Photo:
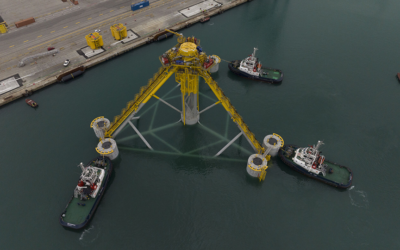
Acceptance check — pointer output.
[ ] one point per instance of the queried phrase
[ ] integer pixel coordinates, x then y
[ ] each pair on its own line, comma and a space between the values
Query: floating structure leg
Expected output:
230, 143
108, 147
192, 115
257, 166
140, 135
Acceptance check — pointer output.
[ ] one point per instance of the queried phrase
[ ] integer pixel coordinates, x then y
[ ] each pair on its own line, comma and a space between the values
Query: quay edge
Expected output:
7, 98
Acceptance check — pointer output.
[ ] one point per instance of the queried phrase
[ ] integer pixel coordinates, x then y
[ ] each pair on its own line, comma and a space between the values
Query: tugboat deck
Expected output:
77, 214
340, 174
271, 74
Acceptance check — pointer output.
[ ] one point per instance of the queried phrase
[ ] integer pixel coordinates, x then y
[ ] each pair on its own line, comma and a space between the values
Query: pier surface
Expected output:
63, 25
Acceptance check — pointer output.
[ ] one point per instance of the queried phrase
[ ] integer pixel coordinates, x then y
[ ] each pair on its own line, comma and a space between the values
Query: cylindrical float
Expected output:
100, 125
108, 147
215, 66
273, 143
256, 164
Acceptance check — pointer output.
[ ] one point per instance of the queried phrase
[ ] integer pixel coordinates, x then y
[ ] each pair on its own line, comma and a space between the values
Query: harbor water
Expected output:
339, 59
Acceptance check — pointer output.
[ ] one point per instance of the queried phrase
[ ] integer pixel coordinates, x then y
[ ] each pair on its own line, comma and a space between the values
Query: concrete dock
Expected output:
64, 26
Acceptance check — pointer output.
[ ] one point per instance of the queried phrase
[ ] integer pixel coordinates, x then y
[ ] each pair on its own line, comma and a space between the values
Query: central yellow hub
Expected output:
188, 49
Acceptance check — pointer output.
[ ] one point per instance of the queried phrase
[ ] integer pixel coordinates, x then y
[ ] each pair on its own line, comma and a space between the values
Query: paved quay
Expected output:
64, 27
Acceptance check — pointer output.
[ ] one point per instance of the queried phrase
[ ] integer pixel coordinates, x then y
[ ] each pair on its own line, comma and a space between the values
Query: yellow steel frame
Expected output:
187, 75
189, 80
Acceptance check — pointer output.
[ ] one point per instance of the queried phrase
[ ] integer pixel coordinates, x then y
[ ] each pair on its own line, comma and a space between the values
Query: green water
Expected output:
339, 58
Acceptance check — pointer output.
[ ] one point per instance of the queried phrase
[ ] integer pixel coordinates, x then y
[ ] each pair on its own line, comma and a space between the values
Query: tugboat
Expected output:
31, 103
310, 162
88, 193
251, 68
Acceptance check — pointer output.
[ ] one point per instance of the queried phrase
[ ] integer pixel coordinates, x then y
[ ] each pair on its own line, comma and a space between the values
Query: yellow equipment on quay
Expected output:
3, 27
188, 62
94, 40
118, 31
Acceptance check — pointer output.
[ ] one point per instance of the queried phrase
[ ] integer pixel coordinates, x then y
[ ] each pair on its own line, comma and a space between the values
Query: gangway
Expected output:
188, 62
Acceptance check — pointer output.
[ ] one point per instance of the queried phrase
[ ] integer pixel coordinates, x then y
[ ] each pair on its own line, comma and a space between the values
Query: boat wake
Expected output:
358, 198
211, 24
88, 236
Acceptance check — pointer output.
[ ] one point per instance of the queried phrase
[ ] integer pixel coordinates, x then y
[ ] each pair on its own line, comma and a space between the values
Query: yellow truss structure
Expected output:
188, 64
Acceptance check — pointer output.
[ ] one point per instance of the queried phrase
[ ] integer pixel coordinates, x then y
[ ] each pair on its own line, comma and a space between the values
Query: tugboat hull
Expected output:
276, 74
342, 176
31, 103
76, 215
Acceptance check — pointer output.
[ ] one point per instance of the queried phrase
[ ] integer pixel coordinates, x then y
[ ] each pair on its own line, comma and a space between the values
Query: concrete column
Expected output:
192, 115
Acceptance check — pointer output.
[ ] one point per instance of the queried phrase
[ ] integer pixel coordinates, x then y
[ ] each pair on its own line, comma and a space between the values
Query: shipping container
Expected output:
138, 6
24, 22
